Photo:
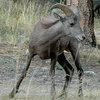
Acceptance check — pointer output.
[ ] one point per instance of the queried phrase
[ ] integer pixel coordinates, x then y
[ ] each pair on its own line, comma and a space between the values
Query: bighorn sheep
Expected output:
50, 37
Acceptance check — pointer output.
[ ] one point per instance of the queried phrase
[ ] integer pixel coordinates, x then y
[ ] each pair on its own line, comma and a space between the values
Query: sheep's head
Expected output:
70, 21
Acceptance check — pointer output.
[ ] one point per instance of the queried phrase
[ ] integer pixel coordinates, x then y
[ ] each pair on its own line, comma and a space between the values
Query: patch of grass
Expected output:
88, 95
97, 23
59, 67
17, 20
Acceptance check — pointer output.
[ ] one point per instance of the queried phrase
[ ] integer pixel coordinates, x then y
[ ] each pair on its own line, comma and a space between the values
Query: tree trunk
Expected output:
86, 12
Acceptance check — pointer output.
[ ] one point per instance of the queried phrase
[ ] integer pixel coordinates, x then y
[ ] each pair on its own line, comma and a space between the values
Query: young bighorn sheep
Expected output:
50, 37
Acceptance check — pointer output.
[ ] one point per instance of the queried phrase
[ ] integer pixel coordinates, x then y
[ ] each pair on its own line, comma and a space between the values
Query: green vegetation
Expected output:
59, 67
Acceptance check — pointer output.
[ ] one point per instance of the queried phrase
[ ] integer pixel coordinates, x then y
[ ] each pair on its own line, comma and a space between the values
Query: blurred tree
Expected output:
86, 12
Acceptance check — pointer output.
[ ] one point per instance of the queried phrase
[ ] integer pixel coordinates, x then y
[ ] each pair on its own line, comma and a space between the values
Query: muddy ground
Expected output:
37, 82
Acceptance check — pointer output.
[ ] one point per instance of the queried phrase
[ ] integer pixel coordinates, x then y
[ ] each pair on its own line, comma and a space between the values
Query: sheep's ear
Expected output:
58, 16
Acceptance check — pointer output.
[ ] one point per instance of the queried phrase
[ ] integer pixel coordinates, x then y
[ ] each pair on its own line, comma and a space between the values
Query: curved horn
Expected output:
64, 8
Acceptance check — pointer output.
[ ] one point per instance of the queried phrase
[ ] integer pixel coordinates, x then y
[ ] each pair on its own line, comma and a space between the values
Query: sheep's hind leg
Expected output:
23, 75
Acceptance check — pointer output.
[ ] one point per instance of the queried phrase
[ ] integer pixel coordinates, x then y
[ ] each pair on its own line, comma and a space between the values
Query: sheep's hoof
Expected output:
62, 95
80, 95
12, 94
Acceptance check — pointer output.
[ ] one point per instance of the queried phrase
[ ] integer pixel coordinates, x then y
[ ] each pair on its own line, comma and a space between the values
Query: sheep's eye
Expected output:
71, 24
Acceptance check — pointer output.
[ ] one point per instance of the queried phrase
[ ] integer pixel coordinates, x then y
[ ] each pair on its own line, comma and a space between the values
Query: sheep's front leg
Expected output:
69, 72
73, 47
52, 74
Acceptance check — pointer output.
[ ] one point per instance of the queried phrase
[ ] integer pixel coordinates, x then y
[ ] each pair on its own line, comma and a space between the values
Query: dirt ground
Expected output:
36, 86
